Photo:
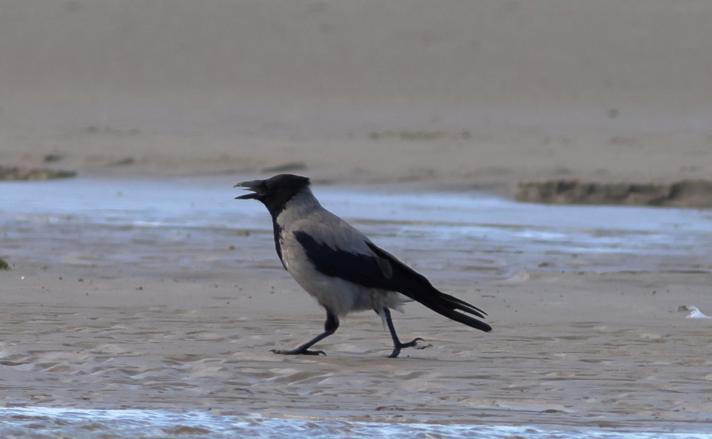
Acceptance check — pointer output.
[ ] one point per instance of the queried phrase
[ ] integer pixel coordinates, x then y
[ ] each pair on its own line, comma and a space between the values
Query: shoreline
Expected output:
158, 423
696, 194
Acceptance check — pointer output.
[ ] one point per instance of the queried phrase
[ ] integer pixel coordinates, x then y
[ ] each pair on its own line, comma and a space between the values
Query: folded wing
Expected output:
374, 267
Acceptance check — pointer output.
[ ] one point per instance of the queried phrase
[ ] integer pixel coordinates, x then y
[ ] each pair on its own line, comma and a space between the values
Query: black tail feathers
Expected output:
450, 307
410, 283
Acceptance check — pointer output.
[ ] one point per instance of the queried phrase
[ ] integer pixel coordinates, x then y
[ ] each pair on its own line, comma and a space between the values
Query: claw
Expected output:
410, 344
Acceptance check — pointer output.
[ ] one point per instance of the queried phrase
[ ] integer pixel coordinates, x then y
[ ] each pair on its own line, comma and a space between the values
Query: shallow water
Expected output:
49, 422
204, 209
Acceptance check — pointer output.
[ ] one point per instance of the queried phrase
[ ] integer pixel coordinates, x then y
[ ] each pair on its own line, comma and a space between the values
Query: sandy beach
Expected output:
141, 284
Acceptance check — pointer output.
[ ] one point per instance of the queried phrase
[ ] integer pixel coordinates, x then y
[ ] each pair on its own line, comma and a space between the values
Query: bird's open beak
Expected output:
254, 185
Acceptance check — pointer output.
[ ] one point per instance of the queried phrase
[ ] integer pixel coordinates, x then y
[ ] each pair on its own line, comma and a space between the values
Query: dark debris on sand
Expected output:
684, 193
14, 173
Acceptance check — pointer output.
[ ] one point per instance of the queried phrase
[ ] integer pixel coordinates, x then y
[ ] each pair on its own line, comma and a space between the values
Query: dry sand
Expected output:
487, 92
461, 94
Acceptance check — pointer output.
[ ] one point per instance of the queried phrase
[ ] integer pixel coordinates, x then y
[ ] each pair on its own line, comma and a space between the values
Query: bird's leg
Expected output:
332, 323
397, 345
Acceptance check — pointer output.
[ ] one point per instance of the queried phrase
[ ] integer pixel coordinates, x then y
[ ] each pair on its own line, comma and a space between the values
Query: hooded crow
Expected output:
340, 267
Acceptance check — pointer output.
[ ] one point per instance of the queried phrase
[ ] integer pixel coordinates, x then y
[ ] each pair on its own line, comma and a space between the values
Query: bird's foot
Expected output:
297, 352
411, 344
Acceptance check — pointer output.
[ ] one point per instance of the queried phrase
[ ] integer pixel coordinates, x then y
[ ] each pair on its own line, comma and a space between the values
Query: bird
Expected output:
340, 267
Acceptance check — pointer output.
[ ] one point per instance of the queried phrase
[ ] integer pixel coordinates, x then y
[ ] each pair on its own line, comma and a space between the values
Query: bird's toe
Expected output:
314, 353
297, 352
412, 343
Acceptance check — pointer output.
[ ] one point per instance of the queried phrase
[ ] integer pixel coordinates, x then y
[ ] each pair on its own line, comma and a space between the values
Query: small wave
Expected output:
46, 422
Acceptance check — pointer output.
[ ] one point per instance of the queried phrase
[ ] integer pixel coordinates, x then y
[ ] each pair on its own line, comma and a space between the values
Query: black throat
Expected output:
275, 193
277, 246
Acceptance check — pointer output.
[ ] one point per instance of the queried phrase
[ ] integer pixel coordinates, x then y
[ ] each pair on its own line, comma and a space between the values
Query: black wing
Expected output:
384, 271
362, 269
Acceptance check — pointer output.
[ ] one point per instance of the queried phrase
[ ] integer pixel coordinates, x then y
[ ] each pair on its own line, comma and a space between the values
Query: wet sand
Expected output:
176, 306
686, 193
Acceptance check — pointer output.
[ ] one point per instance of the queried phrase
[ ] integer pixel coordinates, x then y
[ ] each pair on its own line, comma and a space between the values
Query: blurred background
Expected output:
494, 91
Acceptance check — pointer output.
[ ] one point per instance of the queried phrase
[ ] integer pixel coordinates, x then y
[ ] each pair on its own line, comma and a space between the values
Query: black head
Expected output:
274, 192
